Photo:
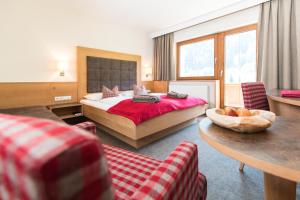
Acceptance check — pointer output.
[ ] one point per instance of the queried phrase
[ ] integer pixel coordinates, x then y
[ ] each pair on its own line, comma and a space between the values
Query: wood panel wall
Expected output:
14, 95
148, 85
161, 86
157, 86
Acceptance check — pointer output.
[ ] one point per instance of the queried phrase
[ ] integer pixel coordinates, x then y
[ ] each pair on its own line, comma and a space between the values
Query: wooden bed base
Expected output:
146, 132
146, 140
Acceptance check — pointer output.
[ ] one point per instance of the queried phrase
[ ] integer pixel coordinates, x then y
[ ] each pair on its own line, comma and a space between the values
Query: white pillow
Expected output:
94, 96
128, 93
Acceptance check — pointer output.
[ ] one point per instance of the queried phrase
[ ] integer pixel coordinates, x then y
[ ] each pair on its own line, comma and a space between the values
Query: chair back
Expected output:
45, 160
255, 96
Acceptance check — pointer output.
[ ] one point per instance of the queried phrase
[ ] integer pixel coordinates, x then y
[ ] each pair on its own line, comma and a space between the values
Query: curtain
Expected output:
163, 48
278, 59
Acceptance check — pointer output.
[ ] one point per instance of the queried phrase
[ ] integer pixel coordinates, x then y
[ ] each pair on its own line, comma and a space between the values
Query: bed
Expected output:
97, 68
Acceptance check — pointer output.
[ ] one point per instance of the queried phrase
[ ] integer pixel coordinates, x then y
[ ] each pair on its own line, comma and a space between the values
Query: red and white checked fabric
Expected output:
45, 160
129, 170
88, 126
255, 96
139, 177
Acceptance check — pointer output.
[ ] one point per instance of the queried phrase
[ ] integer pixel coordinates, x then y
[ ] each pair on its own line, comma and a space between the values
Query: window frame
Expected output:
237, 30
195, 40
219, 49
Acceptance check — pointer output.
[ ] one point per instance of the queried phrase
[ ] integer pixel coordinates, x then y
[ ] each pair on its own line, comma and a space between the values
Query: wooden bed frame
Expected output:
121, 127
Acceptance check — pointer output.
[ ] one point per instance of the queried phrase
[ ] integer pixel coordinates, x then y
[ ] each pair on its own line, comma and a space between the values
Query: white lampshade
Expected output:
62, 66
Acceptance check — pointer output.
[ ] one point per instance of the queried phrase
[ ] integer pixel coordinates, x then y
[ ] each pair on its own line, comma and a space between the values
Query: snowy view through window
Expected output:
197, 59
240, 58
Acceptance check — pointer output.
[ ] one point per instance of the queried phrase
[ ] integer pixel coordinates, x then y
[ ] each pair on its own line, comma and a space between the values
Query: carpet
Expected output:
225, 181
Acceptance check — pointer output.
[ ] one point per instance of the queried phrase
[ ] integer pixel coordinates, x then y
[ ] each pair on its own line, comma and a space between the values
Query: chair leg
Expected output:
242, 165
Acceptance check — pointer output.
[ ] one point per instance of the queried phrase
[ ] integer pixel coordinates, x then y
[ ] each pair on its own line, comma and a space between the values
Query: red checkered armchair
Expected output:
46, 160
255, 96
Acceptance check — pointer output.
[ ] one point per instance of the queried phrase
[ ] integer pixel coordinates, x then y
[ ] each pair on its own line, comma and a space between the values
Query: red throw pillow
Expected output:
106, 92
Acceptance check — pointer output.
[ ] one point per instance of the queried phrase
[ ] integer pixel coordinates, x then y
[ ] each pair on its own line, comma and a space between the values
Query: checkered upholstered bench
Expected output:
42, 159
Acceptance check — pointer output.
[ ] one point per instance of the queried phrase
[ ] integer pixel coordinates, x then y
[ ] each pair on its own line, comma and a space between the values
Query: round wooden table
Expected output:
275, 151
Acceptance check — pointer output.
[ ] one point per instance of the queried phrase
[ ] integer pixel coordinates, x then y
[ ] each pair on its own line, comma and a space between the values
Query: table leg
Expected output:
242, 165
277, 188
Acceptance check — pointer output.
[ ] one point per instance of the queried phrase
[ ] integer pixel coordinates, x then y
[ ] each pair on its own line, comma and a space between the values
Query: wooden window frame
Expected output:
219, 45
222, 54
191, 41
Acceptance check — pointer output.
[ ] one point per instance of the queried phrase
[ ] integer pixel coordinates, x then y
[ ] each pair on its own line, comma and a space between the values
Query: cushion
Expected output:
128, 93
42, 159
139, 90
106, 92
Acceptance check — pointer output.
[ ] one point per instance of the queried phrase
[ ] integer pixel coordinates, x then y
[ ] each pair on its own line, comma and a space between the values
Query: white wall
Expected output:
36, 35
235, 20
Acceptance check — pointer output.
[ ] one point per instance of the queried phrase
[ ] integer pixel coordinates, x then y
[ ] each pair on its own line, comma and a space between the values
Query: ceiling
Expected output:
151, 15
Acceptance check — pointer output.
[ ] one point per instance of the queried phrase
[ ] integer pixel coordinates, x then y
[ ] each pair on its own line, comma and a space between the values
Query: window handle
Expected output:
221, 73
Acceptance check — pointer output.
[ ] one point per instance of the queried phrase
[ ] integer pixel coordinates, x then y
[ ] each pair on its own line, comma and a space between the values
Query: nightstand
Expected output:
71, 113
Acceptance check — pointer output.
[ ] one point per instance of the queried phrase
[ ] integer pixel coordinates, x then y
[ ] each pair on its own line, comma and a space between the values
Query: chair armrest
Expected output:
175, 178
88, 126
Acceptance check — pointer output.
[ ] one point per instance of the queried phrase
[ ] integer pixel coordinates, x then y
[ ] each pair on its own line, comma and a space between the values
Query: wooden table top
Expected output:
275, 96
276, 150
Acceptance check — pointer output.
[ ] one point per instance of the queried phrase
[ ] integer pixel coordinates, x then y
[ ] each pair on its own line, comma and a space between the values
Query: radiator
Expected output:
204, 90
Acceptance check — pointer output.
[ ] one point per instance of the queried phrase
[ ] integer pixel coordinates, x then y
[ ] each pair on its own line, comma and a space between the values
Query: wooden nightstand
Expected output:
71, 113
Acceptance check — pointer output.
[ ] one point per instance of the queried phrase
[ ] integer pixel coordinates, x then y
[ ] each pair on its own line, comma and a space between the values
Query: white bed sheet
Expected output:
104, 104
107, 103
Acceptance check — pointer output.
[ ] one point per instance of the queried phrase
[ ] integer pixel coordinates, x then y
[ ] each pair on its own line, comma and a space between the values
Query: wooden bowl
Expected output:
259, 121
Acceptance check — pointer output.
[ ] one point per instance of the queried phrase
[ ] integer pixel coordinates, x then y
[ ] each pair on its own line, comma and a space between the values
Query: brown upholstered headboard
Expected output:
110, 72
128, 74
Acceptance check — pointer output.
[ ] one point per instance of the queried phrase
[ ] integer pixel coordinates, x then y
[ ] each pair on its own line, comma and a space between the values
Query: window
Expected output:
228, 56
239, 63
196, 58
240, 57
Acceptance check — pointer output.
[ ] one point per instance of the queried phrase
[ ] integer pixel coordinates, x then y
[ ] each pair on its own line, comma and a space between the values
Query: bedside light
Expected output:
62, 66
148, 71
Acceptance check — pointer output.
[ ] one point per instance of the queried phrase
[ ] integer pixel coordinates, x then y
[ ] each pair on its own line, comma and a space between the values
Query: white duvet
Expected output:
107, 103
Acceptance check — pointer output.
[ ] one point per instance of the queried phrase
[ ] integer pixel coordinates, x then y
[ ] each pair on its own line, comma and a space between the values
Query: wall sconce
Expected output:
148, 71
62, 66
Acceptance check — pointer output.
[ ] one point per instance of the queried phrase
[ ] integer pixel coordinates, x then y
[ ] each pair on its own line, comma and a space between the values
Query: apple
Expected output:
230, 112
243, 112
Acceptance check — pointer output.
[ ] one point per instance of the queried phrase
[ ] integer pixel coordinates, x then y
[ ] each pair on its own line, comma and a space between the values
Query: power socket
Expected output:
62, 98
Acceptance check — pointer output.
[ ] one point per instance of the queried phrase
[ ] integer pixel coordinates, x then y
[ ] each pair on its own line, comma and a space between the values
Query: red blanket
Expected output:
290, 93
140, 112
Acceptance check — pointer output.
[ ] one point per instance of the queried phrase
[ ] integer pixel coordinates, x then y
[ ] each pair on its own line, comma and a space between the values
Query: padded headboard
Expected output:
96, 67
110, 72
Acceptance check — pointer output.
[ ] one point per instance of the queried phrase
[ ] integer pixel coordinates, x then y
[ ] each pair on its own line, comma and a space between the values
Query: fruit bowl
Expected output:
258, 120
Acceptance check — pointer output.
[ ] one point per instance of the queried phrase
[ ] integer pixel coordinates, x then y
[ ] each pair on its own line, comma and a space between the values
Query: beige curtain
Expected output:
163, 48
278, 59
